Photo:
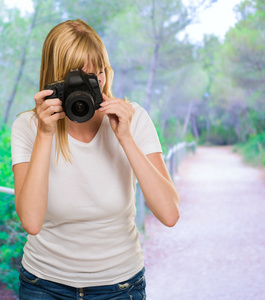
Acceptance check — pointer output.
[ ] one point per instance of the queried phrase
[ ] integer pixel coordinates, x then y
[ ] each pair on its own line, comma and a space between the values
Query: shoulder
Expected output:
141, 120
25, 118
26, 122
144, 131
138, 108
140, 113
24, 130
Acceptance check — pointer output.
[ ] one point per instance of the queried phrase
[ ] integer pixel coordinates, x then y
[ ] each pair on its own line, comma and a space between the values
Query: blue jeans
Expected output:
34, 288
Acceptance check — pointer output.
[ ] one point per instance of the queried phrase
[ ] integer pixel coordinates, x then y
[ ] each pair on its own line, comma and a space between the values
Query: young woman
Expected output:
75, 182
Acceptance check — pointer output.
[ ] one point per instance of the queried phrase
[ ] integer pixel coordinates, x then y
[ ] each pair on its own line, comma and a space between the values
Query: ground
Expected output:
216, 250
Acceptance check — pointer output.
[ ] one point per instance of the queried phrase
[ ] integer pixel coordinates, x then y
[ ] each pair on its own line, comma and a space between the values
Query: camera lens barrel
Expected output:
79, 106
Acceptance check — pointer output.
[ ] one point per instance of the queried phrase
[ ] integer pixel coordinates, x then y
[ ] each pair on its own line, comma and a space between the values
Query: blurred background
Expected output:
202, 83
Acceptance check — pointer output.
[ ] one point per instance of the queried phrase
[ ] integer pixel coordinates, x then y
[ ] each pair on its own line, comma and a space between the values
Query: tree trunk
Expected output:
151, 79
187, 119
208, 125
194, 127
22, 64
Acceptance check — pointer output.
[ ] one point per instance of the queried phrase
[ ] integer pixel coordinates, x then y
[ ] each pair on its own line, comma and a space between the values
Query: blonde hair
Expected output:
67, 47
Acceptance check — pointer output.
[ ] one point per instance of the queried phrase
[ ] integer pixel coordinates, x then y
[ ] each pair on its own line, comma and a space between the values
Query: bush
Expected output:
253, 150
168, 137
219, 135
12, 236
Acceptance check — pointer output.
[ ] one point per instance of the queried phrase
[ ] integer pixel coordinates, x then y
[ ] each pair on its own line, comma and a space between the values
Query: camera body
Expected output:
80, 94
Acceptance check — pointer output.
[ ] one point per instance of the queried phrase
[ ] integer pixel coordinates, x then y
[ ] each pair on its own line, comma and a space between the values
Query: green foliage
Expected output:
258, 119
6, 178
95, 13
12, 236
219, 135
254, 149
189, 137
160, 135
168, 135
244, 49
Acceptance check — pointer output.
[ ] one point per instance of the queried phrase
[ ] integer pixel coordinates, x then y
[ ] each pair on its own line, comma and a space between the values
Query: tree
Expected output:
164, 20
244, 62
96, 13
22, 62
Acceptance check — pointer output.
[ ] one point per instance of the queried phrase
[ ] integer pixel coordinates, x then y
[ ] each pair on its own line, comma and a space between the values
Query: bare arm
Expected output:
151, 172
31, 186
31, 179
158, 189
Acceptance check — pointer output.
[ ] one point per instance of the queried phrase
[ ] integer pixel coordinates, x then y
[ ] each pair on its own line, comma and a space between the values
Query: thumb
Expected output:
105, 97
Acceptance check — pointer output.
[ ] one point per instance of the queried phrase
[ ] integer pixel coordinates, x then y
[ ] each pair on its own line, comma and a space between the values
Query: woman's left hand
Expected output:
120, 115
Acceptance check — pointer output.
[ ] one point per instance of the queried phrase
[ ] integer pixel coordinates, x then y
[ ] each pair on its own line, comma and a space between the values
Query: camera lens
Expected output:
80, 108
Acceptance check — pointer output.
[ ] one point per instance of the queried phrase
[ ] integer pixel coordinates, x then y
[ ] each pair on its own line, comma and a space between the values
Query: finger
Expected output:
120, 112
51, 111
51, 102
117, 105
114, 104
108, 100
105, 97
58, 116
49, 119
118, 102
39, 97
48, 103
54, 109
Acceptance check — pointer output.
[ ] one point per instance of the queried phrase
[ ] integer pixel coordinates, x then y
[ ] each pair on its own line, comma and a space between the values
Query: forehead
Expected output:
89, 67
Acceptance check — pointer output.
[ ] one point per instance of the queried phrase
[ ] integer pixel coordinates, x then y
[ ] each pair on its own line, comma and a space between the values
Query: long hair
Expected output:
67, 47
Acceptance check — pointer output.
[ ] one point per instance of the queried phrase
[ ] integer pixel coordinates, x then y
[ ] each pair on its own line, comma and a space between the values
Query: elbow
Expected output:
172, 220
173, 214
32, 230
31, 224
30, 227
170, 215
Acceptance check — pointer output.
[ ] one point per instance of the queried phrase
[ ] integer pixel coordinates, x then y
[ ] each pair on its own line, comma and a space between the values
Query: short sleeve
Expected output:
144, 131
23, 136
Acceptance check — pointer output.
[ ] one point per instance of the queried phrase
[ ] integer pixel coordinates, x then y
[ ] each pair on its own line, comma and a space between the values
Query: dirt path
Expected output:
217, 249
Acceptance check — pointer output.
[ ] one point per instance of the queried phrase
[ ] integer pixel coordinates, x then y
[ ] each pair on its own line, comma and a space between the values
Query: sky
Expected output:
23, 5
215, 20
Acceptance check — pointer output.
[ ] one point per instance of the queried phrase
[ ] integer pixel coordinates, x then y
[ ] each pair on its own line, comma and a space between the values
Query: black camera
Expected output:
80, 94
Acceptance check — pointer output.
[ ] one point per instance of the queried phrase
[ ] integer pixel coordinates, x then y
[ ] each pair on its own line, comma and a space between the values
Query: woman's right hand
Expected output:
48, 111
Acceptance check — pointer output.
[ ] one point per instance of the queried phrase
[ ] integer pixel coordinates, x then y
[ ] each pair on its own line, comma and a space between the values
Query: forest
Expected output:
211, 92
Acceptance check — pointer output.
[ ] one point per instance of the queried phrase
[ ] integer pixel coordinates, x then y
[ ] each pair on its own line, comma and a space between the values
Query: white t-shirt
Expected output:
89, 236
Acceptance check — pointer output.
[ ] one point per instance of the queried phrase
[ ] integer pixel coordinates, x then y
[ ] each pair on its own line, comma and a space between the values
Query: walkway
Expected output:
217, 249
